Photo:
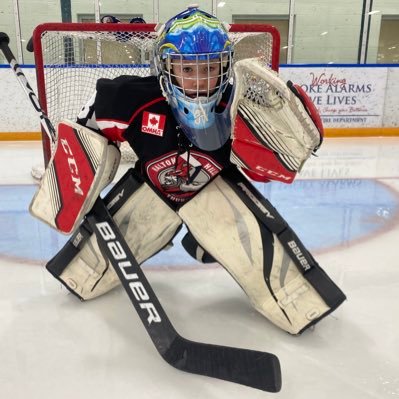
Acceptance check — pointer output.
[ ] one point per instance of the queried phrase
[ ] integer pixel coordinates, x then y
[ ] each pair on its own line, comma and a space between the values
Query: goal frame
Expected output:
123, 27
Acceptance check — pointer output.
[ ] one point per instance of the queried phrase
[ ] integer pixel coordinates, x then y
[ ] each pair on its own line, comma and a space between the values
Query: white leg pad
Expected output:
147, 224
224, 226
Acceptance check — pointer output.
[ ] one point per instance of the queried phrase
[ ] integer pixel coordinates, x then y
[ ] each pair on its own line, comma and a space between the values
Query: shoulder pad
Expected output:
119, 98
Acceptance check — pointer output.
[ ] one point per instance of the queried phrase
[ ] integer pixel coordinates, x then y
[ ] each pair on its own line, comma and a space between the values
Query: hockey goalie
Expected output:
202, 129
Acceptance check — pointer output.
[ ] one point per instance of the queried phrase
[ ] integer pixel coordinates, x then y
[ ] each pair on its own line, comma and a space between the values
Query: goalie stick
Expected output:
243, 366
44, 120
252, 368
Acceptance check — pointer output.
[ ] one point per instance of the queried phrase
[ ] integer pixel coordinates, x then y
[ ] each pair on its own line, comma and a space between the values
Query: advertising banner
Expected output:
345, 97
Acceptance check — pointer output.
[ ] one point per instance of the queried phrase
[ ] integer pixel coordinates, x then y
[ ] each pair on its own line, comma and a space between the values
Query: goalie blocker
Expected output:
261, 252
83, 163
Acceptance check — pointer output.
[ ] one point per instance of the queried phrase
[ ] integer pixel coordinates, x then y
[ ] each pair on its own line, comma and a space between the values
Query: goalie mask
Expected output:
193, 57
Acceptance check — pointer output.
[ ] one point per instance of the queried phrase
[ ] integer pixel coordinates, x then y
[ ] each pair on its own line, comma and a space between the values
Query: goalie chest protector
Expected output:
132, 108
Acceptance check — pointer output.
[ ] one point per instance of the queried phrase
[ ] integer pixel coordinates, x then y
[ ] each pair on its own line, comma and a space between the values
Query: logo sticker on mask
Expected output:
153, 123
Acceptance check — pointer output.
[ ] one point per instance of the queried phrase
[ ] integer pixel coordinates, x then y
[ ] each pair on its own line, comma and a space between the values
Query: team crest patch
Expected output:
153, 123
180, 176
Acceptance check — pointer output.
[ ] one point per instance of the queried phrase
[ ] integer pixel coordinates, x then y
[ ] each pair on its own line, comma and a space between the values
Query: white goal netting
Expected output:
70, 58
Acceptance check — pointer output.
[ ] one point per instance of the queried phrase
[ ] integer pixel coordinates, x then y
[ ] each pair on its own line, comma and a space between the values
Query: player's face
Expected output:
196, 78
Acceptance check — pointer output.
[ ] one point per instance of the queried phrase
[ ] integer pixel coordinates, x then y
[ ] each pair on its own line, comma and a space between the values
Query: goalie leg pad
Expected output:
192, 247
147, 223
223, 225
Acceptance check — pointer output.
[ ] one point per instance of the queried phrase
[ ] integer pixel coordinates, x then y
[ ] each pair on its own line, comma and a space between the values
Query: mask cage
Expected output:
202, 76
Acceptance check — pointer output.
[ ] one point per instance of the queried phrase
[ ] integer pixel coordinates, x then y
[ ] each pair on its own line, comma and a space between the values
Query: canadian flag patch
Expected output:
153, 123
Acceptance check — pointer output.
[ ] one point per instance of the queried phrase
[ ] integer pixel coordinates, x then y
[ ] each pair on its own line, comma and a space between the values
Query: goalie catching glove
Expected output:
276, 127
82, 164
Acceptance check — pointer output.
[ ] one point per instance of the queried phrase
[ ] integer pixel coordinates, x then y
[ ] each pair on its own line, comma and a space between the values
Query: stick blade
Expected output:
255, 369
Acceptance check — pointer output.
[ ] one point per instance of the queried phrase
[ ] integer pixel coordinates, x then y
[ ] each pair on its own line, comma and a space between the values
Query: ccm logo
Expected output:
135, 285
73, 167
274, 174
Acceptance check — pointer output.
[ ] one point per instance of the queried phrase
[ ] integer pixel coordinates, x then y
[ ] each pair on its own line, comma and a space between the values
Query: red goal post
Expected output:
71, 57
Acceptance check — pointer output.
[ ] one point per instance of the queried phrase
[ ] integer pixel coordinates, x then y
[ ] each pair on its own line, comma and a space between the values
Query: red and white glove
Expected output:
82, 164
276, 127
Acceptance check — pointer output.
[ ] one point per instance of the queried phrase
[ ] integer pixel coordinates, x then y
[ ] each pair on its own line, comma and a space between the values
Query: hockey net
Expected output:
70, 58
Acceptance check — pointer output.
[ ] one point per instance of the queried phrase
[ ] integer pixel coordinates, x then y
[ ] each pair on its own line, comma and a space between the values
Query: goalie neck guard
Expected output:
193, 57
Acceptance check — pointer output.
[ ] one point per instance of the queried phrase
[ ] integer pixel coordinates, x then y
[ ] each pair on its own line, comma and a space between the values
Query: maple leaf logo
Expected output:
154, 120
153, 123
